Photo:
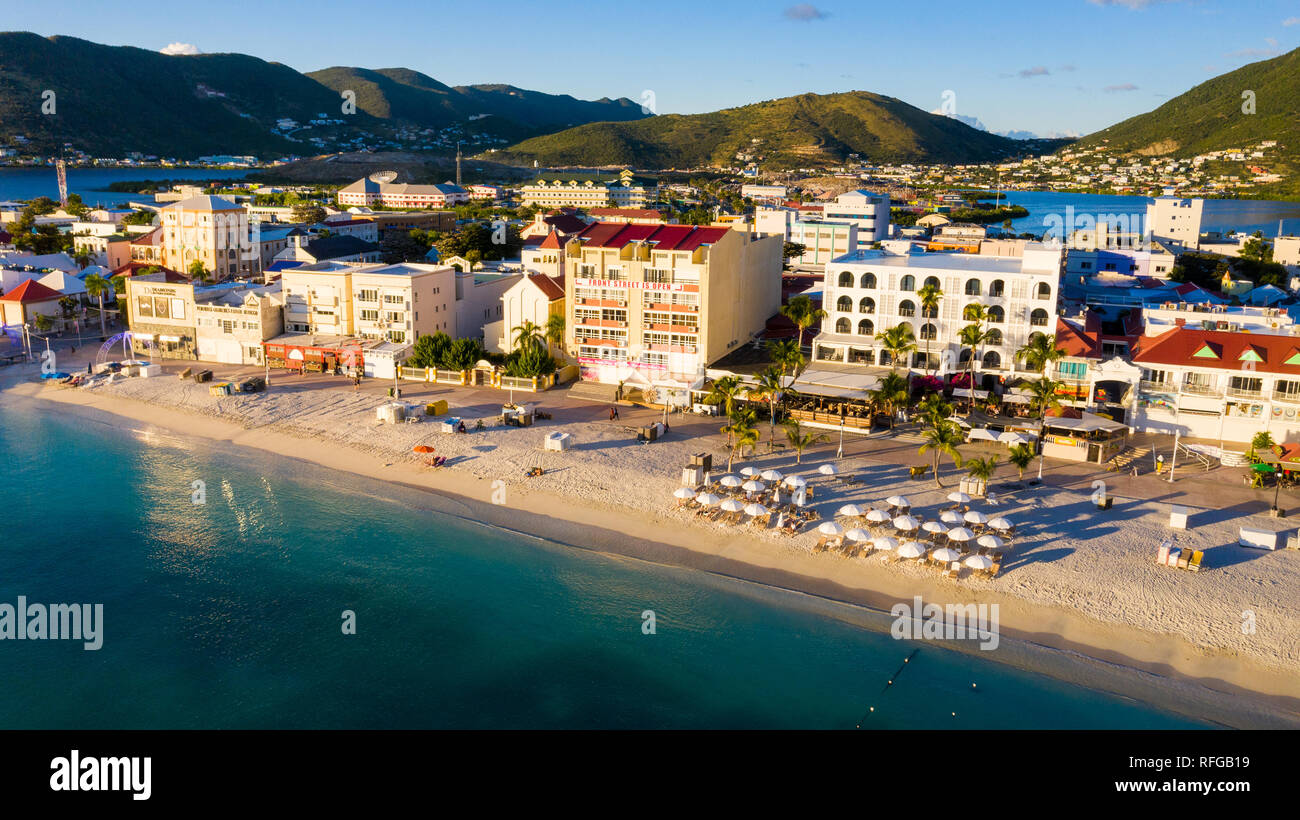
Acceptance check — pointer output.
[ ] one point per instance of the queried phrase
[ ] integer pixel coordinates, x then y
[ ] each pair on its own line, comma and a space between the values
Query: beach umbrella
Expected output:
849, 511
976, 517
732, 505
990, 541
827, 469
979, 562
857, 534
905, 522
950, 517
958, 497
729, 481
830, 528
897, 501
771, 475
946, 554
911, 550
422, 448
878, 516
960, 534
753, 486
795, 481
707, 499
1000, 523
884, 543
749, 472
933, 526
755, 509
683, 493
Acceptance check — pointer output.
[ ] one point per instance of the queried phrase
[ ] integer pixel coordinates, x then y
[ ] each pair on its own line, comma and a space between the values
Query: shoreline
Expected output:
1162, 670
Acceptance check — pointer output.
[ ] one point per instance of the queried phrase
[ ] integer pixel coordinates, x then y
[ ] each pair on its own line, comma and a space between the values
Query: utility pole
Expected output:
1173, 458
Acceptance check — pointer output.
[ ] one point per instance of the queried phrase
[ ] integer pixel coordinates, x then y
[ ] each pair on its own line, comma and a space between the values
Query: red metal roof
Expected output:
1077, 341
31, 291
664, 237
552, 241
1178, 346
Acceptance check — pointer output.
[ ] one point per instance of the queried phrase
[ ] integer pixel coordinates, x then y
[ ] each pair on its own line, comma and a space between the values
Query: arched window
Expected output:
996, 288
867, 305
964, 356
992, 359
866, 328
931, 281
844, 304
885, 359
996, 315
1044, 290
906, 328
868, 281
929, 312
907, 308
908, 283
994, 337
929, 331
1038, 318
846, 279
841, 325
972, 287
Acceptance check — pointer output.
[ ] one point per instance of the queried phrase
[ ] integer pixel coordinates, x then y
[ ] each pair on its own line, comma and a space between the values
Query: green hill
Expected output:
809, 129
1209, 117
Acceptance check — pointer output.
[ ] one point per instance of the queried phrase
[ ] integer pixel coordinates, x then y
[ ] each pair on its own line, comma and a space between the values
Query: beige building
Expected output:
318, 299
585, 191
231, 325
534, 298
210, 230
161, 317
400, 303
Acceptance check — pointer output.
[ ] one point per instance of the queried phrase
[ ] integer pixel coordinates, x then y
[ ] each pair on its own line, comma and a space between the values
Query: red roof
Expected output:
1076, 341
1178, 346
626, 213
550, 288
552, 241
31, 291
663, 237
564, 222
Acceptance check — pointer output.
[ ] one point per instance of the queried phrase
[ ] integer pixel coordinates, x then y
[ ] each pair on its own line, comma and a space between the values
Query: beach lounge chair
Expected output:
995, 569
1195, 563
954, 570
1183, 558
820, 546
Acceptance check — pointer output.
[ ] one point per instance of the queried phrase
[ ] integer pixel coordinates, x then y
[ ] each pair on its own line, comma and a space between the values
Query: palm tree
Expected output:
972, 336
889, 394
97, 286
800, 440
803, 312
555, 330
1261, 441
82, 258
1039, 352
982, 468
898, 341
1021, 456
771, 387
929, 297
934, 410
528, 334
740, 433
1042, 397
943, 440
725, 390
785, 354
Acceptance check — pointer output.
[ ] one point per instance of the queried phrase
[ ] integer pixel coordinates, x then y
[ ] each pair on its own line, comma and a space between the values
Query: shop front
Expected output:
341, 357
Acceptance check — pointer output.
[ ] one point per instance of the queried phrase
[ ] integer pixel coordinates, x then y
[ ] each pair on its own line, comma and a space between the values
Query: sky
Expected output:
1057, 67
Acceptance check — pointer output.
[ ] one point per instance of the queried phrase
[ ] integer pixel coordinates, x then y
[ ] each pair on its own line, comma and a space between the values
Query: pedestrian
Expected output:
611, 414
615, 414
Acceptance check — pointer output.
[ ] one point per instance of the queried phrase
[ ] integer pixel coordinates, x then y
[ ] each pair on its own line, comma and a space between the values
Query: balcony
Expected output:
1157, 387
1289, 398
1203, 390
1244, 393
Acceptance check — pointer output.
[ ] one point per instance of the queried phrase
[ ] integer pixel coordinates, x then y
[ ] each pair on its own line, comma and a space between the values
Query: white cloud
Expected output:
1111, 89
1036, 71
973, 122
178, 49
805, 13
1291, 21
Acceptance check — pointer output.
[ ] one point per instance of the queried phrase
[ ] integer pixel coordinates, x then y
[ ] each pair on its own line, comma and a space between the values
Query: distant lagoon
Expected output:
92, 183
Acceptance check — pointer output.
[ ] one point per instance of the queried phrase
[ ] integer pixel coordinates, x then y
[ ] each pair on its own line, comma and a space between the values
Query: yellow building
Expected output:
213, 231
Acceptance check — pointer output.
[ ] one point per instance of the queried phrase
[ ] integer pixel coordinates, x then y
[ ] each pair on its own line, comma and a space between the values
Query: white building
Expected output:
822, 241
1176, 220
400, 303
533, 298
868, 211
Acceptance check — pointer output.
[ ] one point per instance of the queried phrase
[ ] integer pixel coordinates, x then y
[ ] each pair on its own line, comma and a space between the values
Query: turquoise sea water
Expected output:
228, 614
91, 183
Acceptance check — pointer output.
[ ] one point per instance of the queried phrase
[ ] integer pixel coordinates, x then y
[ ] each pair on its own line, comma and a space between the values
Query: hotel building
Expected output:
582, 191
822, 241
210, 230
867, 210
366, 192
399, 303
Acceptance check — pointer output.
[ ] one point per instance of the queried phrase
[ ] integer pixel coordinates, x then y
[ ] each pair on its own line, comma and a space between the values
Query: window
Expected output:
1072, 370
868, 281
867, 305
846, 280
929, 332
907, 283
1038, 318
841, 325
994, 337
931, 282
972, 287
996, 288
996, 315
992, 359
907, 308
370, 316
1044, 290
866, 328
844, 304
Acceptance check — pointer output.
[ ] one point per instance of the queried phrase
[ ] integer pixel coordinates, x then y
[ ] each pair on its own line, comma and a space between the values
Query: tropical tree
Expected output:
898, 341
197, 271
1262, 442
463, 354
43, 323
803, 312
429, 350
82, 258
934, 410
740, 432
97, 286
785, 354
889, 395
799, 440
725, 390
555, 330
972, 336
528, 334
771, 387
942, 440
1021, 456
1038, 352
929, 296
982, 468
1042, 397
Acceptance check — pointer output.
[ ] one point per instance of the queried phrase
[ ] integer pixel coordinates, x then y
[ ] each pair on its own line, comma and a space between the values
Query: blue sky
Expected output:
1054, 66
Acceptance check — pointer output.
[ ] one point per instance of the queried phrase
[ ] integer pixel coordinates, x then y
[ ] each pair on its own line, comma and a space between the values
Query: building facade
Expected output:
400, 303
867, 210
210, 230
578, 191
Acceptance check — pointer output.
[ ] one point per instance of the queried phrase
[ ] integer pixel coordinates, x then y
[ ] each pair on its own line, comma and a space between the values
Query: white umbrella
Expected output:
976, 517
950, 517
830, 528
827, 469
905, 522
849, 511
771, 475
878, 516
683, 493
732, 505
707, 499
979, 562
911, 550
990, 541
897, 501
884, 543
749, 472
1000, 523
729, 481
960, 534
752, 486
958, 497
945, 554
933, 526
857, 534
795, 481
755, 509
